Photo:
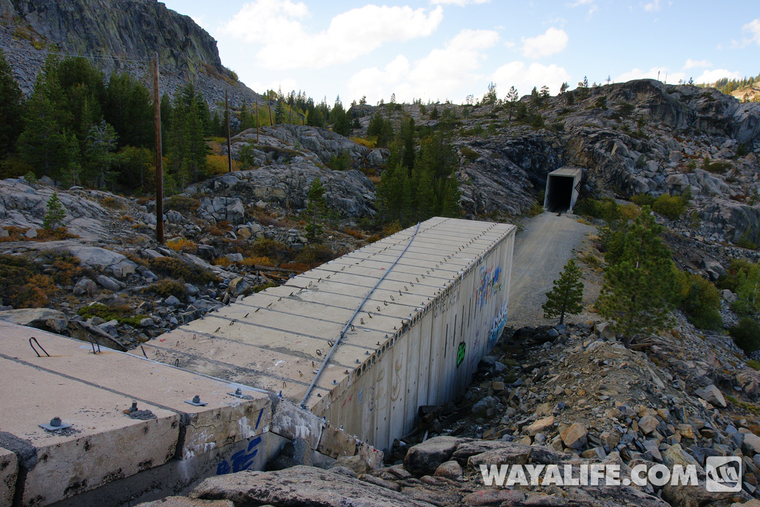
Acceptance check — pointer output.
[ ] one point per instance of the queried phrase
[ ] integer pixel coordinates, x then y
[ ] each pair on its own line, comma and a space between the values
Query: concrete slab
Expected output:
8, 476
223, 420
103, 443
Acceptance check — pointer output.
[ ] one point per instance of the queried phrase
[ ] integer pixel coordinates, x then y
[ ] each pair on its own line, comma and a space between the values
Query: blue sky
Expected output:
449, 49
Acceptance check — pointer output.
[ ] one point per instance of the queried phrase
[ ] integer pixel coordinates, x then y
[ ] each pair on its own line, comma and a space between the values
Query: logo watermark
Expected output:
723, 474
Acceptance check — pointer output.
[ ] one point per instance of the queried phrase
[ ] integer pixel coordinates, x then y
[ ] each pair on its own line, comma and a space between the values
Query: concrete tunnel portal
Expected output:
562, 188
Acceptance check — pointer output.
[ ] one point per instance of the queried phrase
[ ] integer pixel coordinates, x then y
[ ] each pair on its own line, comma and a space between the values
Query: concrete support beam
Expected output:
103, 443
8, 475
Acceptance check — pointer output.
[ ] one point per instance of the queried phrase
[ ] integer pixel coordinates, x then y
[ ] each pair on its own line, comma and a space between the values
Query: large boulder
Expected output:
424, 458
300, 485
40, 318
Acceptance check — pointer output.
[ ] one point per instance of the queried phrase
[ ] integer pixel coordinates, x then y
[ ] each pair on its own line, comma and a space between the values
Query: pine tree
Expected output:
640, 282
566, 297
512, 98
10, 108
315, 210
55, 214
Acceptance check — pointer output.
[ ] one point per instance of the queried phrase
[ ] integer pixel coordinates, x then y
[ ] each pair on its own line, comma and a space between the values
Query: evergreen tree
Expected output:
11, 119
315, 209
100, 153
566, 297
409, 144
640, 282
129, 109
512, 98
55, 214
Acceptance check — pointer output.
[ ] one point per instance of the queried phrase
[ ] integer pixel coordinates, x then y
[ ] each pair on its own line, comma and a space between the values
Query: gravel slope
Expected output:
542, 249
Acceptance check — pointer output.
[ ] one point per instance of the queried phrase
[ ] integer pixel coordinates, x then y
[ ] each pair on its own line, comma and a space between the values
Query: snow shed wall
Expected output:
432, 358
562, 189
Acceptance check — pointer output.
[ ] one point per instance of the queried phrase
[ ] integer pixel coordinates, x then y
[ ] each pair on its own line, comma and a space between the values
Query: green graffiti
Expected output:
461, 353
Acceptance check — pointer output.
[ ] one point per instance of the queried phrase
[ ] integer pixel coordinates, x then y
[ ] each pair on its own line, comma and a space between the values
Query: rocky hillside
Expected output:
630, 138
122, 35
109, 280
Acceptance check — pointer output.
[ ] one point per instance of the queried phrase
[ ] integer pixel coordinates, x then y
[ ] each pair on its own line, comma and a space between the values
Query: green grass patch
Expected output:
122, 313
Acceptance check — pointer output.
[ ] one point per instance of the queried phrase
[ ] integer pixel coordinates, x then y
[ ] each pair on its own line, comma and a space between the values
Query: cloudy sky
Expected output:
448, 49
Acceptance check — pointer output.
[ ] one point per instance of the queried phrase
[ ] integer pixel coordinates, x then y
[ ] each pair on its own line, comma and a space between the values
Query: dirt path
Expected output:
541, 251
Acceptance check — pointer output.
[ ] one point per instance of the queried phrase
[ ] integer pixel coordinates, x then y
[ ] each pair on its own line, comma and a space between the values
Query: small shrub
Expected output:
746, 335
270, 248
591, 260
605, 208
354, 233
670, 206
222, 261
715, 167
700, 301
218, 164
182, 203
745, 242
182, 245
175, 268
755, 365
367, 143
256, 261
469, 153
122, 313
630, 211
315, 255
535, 209
166, 288
113, 203
643, 200
340, 162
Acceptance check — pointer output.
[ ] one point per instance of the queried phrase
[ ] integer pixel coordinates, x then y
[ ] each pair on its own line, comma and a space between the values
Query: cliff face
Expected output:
119, 35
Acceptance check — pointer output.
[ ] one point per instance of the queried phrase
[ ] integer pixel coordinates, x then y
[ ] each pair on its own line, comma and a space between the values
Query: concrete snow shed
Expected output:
562, 188
416, 340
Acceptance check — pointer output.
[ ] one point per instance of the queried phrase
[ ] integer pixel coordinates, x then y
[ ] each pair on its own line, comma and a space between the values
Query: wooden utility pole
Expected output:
227, 115
159, 157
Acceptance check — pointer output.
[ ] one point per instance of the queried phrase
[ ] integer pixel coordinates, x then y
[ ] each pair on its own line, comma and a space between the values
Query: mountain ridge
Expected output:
126, 40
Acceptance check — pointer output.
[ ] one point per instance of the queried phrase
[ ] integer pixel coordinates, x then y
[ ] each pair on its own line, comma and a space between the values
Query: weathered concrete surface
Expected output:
102, 444
8, 475
443, 302
224, 420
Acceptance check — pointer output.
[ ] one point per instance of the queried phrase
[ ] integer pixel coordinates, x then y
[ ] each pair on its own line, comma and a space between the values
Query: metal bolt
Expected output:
133, 408
196, 399
238, 392
55, 422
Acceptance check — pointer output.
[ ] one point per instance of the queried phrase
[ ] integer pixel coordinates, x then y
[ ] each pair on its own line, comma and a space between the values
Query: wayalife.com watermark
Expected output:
722, 474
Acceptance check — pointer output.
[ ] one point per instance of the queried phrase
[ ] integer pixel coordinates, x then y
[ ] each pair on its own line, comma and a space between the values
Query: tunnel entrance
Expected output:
562, 189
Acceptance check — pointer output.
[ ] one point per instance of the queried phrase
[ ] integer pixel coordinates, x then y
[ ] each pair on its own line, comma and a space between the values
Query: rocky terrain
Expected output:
551, 395
630, 138
124, 41
109, 281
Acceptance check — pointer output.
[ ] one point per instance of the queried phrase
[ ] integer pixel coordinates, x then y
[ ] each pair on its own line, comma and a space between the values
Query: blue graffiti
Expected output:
241, 460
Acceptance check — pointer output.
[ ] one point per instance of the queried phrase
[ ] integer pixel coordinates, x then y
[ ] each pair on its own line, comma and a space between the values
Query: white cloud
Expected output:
286, 43
437, 76
691, 64
550, 42
524, 78
593, 8
662, 72
711, 76
753, 30
461, 3
653, 6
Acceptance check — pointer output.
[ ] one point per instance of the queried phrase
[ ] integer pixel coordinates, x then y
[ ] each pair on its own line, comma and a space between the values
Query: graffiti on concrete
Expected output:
242, 460
461, 352
490, 284
497, 326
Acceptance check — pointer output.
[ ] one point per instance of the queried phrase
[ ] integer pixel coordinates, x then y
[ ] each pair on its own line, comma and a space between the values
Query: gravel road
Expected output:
542, 249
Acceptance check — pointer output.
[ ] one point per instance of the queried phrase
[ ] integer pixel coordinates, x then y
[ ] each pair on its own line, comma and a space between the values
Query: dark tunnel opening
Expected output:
559, 193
